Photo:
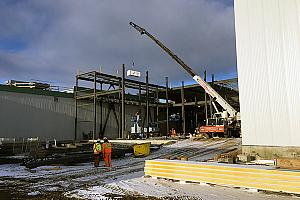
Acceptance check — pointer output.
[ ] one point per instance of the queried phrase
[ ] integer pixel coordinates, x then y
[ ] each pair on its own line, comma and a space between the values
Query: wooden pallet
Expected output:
252, 177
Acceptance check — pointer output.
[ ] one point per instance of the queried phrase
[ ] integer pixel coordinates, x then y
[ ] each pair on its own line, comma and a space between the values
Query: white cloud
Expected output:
62, 36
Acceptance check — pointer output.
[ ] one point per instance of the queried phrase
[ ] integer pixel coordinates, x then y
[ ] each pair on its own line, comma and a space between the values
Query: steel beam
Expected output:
205, 98
98, 94
167, 104
157, 108
182, 108
123, 101
76, 109
147, 102
95, 106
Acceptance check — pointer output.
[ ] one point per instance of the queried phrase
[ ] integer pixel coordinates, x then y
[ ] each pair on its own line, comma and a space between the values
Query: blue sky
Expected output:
52, 39
12, 44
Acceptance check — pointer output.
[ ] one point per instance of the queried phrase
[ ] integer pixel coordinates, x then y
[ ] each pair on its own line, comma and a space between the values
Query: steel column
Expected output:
123, 101
76, 111
205, 98
167, 103
182, 108
147, 102
101, 112
157, 110
140, 100
120, 110
95, 105
196, 113
211, 107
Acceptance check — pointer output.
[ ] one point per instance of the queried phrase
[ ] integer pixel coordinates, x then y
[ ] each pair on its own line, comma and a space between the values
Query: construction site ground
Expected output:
125, 180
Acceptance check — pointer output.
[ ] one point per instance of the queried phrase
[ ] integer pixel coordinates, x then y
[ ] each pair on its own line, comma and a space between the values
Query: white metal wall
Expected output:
25, 115
268, 60
28, 115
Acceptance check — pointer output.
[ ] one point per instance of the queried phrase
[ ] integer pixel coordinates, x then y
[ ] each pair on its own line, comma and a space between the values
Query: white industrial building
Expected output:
48, 115
268, 60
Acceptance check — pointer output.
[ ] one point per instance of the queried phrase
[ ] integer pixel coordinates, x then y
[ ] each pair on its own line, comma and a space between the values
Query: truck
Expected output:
225, 123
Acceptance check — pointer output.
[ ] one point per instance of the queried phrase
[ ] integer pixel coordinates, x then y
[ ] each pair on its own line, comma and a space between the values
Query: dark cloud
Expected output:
59, 37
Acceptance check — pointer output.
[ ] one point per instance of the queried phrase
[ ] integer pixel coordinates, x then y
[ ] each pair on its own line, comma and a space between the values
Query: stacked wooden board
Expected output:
257, 177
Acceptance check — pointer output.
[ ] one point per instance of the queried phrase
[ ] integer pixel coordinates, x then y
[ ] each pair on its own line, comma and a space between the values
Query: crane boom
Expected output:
208, 89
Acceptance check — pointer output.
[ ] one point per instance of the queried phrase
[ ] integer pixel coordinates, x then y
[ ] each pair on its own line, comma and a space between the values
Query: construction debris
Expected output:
230, 157
262, 162
44, 157
288, 163
244, 158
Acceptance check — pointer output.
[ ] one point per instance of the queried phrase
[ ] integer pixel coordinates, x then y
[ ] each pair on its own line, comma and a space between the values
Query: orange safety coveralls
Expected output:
106, 152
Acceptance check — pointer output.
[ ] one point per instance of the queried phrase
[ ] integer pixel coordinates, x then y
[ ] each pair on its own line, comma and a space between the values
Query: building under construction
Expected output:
106, 108
158, 122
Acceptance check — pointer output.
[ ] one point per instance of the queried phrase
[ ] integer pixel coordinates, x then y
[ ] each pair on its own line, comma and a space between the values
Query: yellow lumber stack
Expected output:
261, 178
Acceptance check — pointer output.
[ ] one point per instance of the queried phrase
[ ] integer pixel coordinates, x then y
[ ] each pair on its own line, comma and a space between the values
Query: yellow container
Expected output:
141, 150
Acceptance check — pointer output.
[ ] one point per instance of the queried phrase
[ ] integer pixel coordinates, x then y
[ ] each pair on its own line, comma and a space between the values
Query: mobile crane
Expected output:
227, 121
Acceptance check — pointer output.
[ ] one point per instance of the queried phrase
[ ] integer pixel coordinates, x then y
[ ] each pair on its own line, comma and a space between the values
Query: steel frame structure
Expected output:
115, 94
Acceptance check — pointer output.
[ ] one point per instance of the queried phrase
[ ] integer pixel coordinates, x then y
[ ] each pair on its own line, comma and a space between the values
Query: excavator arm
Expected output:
208, 89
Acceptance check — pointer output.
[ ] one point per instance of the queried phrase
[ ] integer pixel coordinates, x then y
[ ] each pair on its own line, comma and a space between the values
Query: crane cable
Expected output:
131, 52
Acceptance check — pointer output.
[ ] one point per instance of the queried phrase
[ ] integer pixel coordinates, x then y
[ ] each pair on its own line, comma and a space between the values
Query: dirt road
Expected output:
124, 180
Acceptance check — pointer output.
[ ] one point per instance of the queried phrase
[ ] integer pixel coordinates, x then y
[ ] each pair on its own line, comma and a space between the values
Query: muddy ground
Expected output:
125, 180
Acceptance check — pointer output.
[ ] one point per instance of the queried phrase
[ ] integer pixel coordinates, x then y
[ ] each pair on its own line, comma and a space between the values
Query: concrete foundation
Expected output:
272, 152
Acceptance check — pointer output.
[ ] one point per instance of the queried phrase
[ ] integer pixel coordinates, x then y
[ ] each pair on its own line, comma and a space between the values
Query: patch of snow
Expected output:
35, 193
96, 192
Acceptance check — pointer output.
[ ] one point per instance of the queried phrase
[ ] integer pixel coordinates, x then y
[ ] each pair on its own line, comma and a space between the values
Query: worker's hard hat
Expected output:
105, 138
98, 140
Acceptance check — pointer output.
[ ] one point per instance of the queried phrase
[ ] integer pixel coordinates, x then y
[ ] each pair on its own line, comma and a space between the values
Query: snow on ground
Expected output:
17, 171
125, 178
166, 189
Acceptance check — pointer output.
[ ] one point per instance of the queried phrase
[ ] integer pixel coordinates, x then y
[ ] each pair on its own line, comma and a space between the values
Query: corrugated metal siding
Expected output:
268, 59
29, 115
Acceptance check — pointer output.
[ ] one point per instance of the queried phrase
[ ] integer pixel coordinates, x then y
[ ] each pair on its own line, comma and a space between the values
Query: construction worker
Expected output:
173, 132
106, 152
97, 148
